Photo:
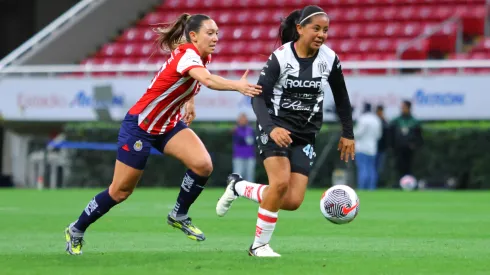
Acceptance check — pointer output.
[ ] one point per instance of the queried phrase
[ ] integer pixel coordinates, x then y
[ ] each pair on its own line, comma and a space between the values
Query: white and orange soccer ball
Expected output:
339, 204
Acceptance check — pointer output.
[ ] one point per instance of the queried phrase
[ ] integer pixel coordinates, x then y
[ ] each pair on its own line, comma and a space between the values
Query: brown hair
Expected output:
170, 37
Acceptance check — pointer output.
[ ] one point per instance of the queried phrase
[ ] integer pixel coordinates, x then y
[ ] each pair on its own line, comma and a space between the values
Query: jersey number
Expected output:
309, 152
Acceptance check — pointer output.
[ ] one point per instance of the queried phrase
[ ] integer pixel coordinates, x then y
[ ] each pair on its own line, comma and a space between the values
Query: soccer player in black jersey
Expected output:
289, 116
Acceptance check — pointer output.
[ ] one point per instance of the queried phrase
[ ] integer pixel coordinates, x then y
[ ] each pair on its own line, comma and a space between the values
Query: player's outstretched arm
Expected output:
216, 82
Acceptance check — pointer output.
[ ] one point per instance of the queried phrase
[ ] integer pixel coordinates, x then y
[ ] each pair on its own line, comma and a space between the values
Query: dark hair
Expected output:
287, 30
170, 37
367, 107
407, 103
380, 108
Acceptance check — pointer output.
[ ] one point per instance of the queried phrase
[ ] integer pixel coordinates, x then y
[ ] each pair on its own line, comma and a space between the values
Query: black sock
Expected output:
95, 209
191, 188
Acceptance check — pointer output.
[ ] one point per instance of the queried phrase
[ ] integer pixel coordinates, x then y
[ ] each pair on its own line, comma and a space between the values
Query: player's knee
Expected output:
203, 167
281, 186
118, 194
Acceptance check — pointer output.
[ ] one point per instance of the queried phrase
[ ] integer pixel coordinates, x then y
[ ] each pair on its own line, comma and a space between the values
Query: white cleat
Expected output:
263, 251
230, 195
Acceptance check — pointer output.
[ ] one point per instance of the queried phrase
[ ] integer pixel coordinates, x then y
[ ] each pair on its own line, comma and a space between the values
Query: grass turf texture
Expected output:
395, 233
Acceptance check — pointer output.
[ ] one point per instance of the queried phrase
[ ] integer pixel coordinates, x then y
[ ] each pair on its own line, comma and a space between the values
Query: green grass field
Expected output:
394, 233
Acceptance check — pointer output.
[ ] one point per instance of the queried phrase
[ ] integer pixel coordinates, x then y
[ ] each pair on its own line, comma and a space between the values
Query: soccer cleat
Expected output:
74, 241
262, 251
187, 227
230, 195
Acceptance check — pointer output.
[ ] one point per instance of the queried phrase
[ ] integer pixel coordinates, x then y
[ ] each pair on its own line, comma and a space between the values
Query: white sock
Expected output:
250, 190
266, 222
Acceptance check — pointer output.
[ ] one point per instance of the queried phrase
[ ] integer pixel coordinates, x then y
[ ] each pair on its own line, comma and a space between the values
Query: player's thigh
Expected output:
189, 149
275, 159
133, 150
302, 159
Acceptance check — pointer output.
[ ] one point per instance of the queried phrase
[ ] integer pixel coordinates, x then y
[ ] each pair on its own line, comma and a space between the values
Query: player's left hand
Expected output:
190, 112
347, 148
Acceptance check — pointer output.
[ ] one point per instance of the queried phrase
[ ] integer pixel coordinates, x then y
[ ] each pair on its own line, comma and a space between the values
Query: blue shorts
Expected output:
134, 144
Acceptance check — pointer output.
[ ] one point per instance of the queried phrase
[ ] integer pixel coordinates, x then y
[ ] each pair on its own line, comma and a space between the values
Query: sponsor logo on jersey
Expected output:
296, 105
299, 83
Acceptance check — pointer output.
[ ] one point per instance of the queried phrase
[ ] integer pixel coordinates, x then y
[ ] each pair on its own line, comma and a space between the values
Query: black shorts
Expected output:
301, 155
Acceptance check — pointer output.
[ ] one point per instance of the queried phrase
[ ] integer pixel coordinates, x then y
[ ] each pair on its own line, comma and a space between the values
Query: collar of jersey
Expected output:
189, 45
302, 58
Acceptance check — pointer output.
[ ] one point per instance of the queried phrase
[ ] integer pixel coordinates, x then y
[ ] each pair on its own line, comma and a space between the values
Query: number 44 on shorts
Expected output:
309, 151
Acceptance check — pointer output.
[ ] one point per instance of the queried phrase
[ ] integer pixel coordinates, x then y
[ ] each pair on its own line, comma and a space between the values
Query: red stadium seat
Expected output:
359, 29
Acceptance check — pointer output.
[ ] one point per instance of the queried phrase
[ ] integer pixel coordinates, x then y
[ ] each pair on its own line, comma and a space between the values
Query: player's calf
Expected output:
250, 190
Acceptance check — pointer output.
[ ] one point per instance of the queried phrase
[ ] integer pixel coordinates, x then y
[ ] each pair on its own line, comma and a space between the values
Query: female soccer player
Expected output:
289, 115
155, 121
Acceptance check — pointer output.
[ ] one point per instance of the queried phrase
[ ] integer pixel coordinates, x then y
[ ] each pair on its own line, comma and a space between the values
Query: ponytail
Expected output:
171, 36
287, 30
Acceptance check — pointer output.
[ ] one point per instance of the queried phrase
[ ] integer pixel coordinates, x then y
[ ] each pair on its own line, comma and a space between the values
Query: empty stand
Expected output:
359, 29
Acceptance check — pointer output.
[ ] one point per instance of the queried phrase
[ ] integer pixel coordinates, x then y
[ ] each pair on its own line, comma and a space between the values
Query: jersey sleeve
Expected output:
268, 78
189, 60
341, 98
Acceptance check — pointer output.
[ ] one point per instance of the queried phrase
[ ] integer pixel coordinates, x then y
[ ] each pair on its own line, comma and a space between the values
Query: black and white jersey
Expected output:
293, 91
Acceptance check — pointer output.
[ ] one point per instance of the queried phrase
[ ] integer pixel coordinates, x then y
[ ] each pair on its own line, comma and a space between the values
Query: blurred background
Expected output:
70, 70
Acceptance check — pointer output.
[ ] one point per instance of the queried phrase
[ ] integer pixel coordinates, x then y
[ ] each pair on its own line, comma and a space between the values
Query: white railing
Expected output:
355, 66
46, 32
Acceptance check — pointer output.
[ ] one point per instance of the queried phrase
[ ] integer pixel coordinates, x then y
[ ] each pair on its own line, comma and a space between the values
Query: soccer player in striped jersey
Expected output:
289, 116
156, 121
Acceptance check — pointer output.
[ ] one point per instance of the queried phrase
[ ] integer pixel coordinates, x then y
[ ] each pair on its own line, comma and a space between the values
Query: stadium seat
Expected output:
359, 29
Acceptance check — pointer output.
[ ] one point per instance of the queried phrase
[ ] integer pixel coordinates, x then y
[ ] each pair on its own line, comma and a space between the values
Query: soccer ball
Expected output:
408, 183
339, 204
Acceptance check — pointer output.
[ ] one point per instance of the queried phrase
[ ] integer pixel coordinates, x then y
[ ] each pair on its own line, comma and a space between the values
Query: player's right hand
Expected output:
246, 88
281, 137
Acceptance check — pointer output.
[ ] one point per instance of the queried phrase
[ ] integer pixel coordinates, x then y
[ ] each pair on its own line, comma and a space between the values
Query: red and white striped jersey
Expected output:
159, 109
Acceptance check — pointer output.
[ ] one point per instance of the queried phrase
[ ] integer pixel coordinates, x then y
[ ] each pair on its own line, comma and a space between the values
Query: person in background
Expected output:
406, 138
368, 131
383, 141
244, 149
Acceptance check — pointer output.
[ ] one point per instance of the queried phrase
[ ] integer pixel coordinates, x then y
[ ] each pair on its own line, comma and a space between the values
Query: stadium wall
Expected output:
455, 97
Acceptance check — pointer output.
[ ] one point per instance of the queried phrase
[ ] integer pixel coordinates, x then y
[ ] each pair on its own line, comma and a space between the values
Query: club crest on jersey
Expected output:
138, 145
322, 67
264, 138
